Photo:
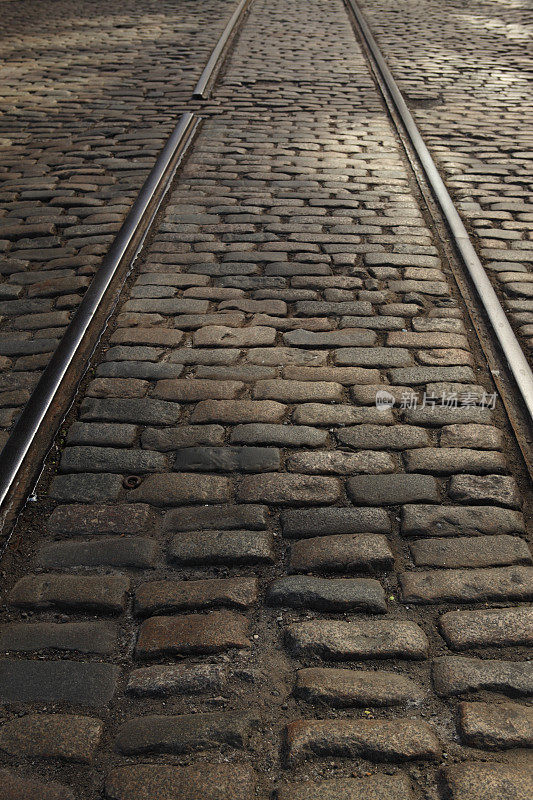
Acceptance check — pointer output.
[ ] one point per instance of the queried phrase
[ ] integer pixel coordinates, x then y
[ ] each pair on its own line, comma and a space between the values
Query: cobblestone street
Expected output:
279, 549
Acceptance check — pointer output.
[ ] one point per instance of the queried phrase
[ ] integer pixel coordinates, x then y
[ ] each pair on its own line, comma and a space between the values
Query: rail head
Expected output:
201, 90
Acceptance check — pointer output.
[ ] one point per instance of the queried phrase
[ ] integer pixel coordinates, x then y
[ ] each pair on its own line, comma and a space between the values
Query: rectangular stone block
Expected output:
104, 594
170, 489
192, 634
222, 547
376, 740
69, 682
356, 640
307, 523
488, 628
218, 517
167, 596
468, 585
284, 489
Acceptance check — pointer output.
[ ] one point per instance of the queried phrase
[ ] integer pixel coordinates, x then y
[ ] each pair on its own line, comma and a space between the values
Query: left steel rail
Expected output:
122, 253
201, 90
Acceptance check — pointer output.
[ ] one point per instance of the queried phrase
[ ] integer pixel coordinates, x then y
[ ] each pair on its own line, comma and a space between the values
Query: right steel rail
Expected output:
508, 342
200, 90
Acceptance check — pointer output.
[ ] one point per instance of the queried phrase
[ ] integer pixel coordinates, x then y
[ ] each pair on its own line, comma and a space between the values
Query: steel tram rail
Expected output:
201, 90
513, 355
71, 357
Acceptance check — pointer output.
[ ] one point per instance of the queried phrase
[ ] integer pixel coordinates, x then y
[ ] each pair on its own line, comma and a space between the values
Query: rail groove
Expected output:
206, 80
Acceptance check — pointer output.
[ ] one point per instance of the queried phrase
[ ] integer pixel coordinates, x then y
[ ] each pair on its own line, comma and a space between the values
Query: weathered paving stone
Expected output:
192, 634
500, 489
309, 523
475, 551
347, 337
128, 551
477, 781
165, 596
177, 679
102, 433
496, 726
422, 520
169, 489
346, 375
292, 490
182, 734
320, 414
446, 460
227, 459
84, 637
246, 373
298, 391
183, 436
482, 437
142, 411
405, 376
14, 786
350, 687
395, 489
238, 411
281, 435
343, 553
366, 639
86, 487
222, 547
210, 782
439, 416
188, 355
189, 391
281, 356
63, 736
455, 675
376, 740
69, 682
490, 628
90, 519
217, 517
382, 437
381, 357
117, 387
222, 336
467, 586
146, 370
110, 459
150, 336
339, 463
328, 594
106, 594
378, 787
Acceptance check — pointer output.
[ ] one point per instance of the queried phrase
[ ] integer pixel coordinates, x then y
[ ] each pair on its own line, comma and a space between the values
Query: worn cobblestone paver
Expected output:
302, 595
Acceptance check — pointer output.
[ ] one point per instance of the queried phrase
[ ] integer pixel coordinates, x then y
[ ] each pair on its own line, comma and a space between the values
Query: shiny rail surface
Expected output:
509, 344
201, 90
